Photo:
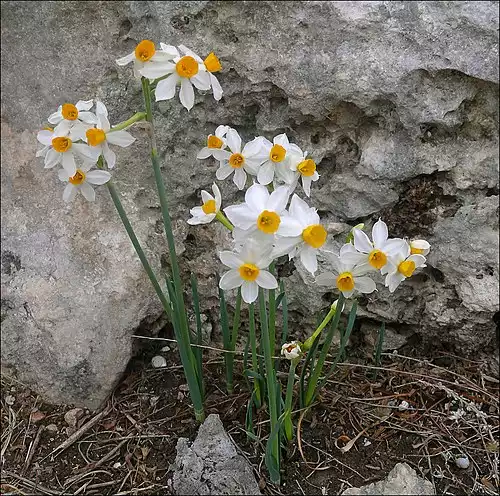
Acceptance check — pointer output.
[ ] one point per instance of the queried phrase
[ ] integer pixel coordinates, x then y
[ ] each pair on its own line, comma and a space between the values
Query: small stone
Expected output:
37, 416
165, 349
117, 465
462, 462
52, 428
404, 405
158, 362
73, 416
10, 400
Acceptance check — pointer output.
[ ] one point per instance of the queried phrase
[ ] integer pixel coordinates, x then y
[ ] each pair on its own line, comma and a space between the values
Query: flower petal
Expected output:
68, 162
87, 117
362, 242
354, 258
154, 70
223, 171
170, 50
393, 280
240, 178
299, 209
289, 227
257, 197
165, 89
281, 139
326, 279
84, 105
87, 191
69, 192
266, 280
266, 173
201, 80
55, 118
379, 234
278, 199
109, 155
249, 291
308, 259
120, 138
306, 185
218, 196
233, 140
186, 95
231, 280
364, 284
231, 259
241, 216
418, 259
216, 87
205, 152
126, 60
45, 137
98, 177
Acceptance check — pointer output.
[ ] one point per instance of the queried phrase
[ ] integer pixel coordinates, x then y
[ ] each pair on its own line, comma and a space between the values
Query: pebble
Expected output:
462, 462
165, 349
52, 428
73, 416
10, 400
158, 362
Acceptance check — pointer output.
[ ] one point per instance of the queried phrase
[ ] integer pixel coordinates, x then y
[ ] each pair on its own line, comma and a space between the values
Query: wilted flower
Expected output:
81, 182
99, 137
248, 270
207, 212
291, 351
401, 265
347, 278
148, 61
215, 142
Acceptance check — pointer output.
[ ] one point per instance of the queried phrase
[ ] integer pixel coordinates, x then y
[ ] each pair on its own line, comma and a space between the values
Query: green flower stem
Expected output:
310, 340
255, 362
135, 242
224, 220
190, 362
270, 378
272, 314
138, 116
288, 400
232, 343
313, 380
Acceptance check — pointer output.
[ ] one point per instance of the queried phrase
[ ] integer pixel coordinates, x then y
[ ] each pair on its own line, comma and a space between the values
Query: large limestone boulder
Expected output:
396, 101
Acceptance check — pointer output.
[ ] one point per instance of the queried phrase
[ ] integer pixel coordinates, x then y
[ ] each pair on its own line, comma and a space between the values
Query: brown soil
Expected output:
130, 448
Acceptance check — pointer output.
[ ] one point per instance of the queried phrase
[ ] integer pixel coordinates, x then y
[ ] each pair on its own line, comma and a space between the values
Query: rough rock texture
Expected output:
396, 101
402, 480
211, 464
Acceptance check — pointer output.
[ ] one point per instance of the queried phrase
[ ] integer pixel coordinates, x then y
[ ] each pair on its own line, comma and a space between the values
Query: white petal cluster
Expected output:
175, 67
279, 162
273, 221
81, 136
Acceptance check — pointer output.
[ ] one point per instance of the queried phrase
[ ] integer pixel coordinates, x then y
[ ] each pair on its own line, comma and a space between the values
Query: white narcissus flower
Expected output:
305, 169
81, 182
248, 270
207, 212
73, 120
215, 142
420, 247
187, 70
291, 351
401, 265
156, 63
237, 160
61, 149
263, 214
347, 278
99, 137
374, 253
279, 154
311, 239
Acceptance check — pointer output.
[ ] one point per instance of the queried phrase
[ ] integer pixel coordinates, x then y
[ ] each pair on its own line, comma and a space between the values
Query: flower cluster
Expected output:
274, 221
279, 162
84, 136
174, 66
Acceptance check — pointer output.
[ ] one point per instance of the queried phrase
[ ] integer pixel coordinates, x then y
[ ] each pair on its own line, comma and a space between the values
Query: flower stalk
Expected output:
224, 220
138, 116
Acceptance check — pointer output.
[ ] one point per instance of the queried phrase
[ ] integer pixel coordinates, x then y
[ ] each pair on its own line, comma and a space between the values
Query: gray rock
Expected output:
402, 480
396, 101
211, 465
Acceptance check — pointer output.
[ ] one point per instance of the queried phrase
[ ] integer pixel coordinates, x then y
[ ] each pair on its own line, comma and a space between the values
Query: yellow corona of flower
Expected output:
215, 142
73, 120
81, 181
401, 265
